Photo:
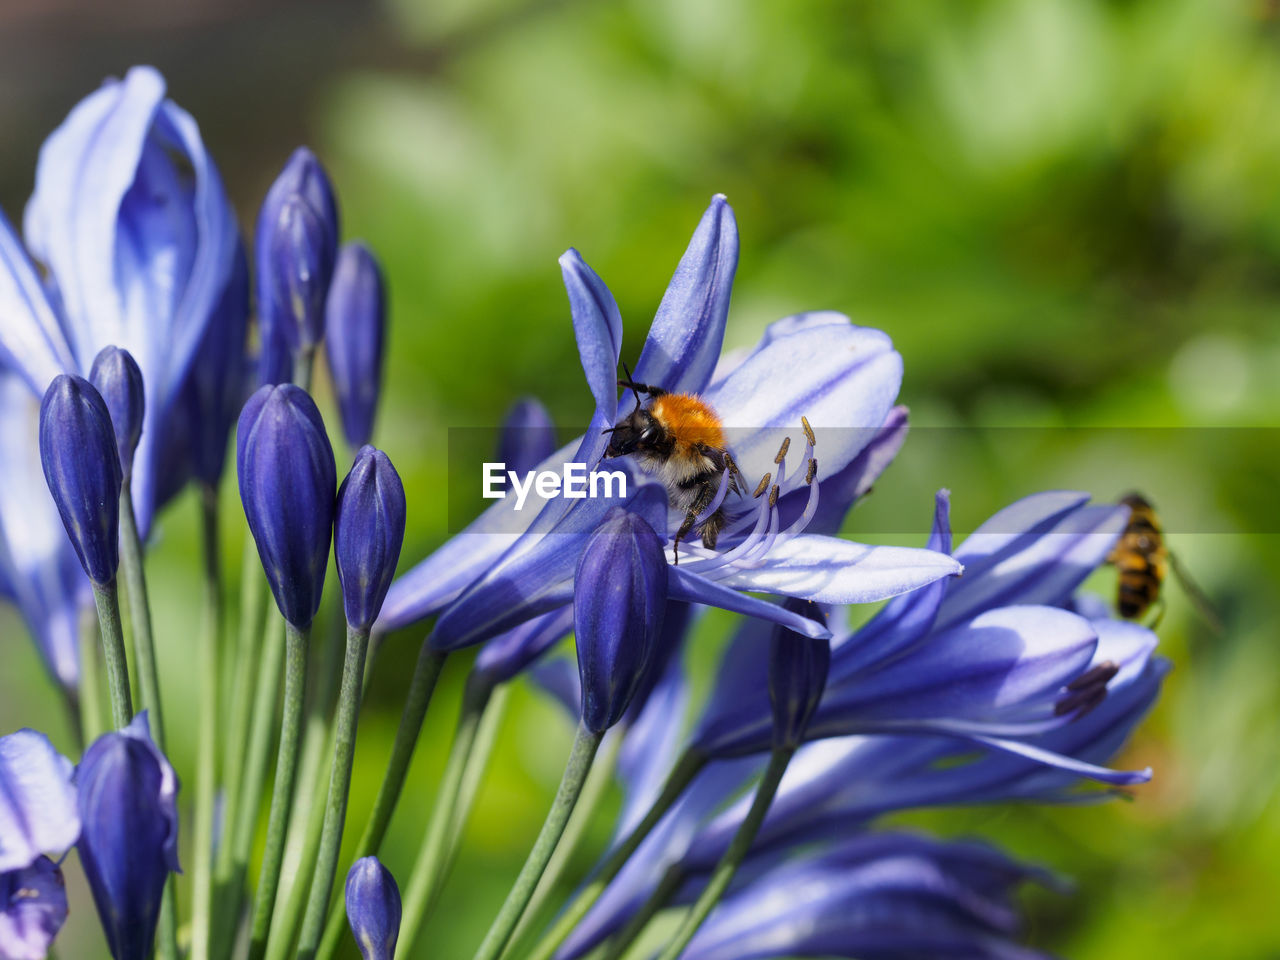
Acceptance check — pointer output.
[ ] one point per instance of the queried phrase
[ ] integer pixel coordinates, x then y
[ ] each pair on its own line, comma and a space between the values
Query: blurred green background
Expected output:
1065, 212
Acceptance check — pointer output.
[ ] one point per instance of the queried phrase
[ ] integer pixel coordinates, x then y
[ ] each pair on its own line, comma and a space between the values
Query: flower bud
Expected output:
528, 436
355, 326
619, 597
129, 834
368, 532
82, 468
117, 378
287, 480
373, 908
798, 668
296, 244
33, 908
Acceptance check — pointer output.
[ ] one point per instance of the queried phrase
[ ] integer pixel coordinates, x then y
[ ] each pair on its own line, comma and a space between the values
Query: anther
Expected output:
808, 431
812, 472
773, 497
1101, 674
1087, 690
782, 450
762, 486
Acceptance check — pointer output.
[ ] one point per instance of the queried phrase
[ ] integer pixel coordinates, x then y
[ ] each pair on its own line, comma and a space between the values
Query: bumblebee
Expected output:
680, 439
1143, 562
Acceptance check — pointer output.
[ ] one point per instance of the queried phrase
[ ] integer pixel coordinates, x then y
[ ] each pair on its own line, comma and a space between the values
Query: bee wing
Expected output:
1198, 598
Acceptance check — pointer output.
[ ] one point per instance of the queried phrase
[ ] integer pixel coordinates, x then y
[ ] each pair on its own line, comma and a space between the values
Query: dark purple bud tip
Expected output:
82, 468
367, 535
373, 908
798, 667
33, 908
129, 834
297, 243
287, 480
619, 598
1087, 690
117, 378
528, 436
354, 330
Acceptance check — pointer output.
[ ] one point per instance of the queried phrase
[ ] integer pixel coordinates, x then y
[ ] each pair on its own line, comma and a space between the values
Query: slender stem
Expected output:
486, 739
207, 749
91, 723
107, 599
295, 686
596, 789
734, 856
686, 769
230, 880
666, 889
144, 648
425, 674
585, 745
344, 748
144, 658
429, 871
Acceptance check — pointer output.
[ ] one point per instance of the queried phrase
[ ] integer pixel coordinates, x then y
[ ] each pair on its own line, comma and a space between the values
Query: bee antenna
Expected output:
631, 384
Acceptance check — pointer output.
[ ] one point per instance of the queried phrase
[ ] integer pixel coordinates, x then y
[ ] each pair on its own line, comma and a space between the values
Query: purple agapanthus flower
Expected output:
911, 742
33, 908
509, 567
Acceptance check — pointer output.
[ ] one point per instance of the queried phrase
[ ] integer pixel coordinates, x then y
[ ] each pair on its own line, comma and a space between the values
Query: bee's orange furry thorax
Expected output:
689, 420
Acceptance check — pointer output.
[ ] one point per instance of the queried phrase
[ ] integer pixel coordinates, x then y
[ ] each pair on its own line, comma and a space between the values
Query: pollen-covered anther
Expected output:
1087, 690
773, 497
808, 431
782, 450
762, 486
812, 471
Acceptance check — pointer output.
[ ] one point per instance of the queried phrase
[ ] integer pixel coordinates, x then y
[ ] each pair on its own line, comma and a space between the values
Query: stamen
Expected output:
782, 451
810, 507
749, 543
715, 501
762, 486
808, 431
1087, 690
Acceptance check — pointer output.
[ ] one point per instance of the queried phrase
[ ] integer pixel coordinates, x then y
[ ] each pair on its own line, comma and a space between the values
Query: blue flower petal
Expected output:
684, 341
32, 341
38, 812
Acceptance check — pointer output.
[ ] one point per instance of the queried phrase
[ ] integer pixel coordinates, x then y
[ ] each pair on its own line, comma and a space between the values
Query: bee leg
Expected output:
706, 493
1161, 607
711, 529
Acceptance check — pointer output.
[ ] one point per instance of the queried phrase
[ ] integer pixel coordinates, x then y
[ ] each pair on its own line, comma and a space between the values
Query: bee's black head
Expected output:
639, 430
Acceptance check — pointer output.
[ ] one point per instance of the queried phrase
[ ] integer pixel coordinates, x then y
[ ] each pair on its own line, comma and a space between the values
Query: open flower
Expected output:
509, 566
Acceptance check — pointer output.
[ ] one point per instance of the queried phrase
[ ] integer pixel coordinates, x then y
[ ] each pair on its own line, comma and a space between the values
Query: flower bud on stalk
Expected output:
287, 479
528, 436
355, 328
296, 243
373, 908
116, 377
82, 468
368, 533
129, 834
619, 597
798, 667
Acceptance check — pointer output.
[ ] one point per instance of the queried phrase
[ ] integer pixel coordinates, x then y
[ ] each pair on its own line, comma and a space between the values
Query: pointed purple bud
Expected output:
33, 908
129, 835
528, 436
798, 667
355, 328
619, 597
373, 908
117, 378
368, 532
296, 244
287, 481
82, 468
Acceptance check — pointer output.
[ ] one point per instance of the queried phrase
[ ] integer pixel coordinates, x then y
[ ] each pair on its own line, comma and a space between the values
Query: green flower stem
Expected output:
734, 856
585, 745
620, 942
344, 748
144, 648
429, 870
303, 364
596, 789
425, 674
687, 767
107, 599
229, 879
481, 753
207, 748
90, 696
295, 686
